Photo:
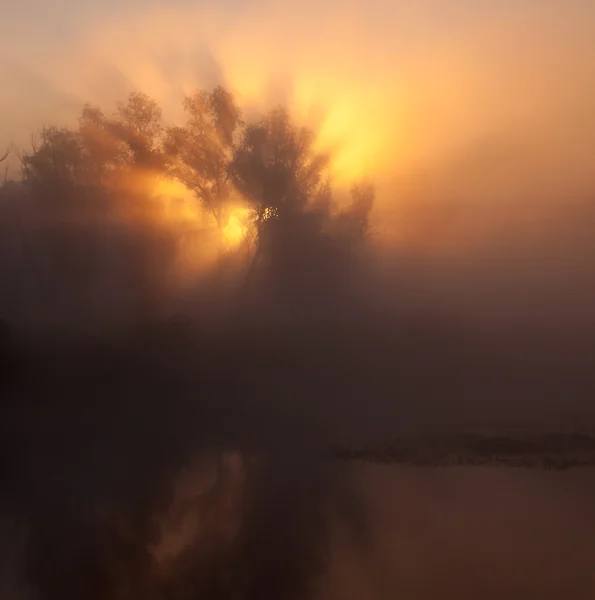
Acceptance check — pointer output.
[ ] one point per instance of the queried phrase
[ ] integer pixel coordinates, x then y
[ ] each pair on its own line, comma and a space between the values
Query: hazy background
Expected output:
502, 89
476, 308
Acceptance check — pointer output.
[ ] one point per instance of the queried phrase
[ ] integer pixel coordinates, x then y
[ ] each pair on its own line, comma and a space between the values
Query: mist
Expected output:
233, 237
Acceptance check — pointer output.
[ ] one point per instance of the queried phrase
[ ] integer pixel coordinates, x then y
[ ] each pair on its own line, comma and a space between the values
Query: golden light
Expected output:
353, 148
348, 103
236, 229
176, 205
177, 201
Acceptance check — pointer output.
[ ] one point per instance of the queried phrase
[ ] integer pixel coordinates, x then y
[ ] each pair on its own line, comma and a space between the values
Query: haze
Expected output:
199, 296
397, 85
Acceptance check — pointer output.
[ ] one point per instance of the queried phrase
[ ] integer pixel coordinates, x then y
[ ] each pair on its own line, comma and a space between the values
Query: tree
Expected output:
356, 218
56, 156
199, 153
275, 167
138, 126
104, 151
301, 237
130, 139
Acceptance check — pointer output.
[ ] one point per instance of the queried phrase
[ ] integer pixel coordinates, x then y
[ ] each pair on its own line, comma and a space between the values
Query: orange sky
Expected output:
490, 97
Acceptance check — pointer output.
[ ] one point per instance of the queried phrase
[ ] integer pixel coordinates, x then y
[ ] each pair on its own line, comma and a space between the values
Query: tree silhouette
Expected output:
301, 237
131, 138
276, 168
104, 151
138, 126
56, 157
199, 152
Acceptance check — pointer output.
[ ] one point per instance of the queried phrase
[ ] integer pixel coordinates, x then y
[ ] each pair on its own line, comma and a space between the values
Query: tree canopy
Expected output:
294, 234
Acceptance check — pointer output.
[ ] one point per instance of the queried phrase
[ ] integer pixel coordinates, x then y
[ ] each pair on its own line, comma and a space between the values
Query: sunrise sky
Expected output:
503, 90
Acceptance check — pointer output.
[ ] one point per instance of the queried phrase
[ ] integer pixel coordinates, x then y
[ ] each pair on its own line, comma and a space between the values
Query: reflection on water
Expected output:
470, 533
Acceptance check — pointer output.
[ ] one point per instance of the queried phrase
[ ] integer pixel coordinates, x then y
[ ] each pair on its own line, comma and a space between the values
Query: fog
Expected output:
466, 533
234, 236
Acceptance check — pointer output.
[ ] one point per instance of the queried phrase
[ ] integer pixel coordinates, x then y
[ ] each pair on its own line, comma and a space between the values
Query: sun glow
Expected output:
177, 201
236, 230
178, 206
348, 104
201, 241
